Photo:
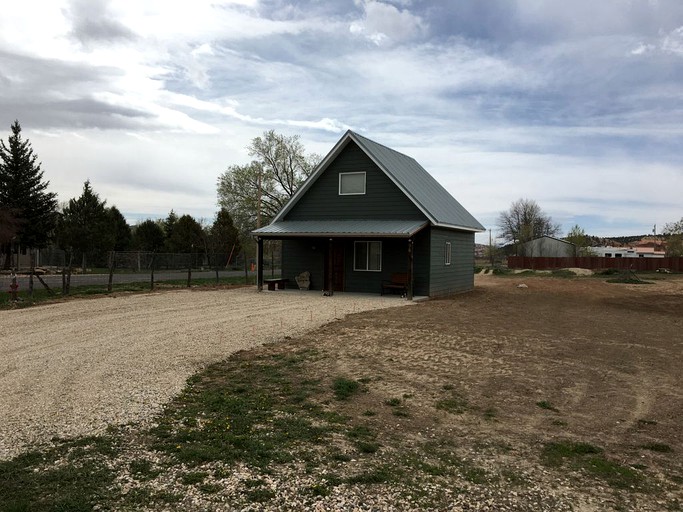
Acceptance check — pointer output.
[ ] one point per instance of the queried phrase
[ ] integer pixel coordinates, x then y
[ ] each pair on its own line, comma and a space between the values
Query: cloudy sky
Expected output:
577, 105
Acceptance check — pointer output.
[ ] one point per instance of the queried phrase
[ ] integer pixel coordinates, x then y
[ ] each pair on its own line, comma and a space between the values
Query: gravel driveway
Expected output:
75, 367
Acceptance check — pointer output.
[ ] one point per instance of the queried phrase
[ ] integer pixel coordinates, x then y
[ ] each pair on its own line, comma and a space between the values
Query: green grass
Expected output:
73, 476
591, 460
254, 411
545, 404
344, 388
657, 447
454, 404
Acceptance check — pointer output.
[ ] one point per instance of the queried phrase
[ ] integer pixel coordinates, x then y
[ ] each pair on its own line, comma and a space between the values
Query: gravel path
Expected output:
73, 368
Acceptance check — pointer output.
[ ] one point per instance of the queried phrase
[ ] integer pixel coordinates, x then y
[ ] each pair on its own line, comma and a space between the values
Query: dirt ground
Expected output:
563, 395
578, 360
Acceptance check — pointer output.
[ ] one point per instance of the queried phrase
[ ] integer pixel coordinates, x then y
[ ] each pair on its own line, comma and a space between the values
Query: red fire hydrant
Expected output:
14, 288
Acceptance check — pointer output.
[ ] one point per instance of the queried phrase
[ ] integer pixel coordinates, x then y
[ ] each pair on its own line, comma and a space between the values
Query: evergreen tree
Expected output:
224, 237
120, 229
148, 236
187, 236
24, 193
85, 226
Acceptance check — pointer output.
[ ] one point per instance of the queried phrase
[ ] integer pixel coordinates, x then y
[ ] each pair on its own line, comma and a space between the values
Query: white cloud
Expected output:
673, 42
383, 22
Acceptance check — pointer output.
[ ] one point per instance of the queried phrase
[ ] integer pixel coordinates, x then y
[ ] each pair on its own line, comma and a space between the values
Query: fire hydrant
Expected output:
14, 288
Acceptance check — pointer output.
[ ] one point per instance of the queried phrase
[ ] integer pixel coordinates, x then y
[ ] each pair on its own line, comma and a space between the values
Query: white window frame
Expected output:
447, 254
352, 193
367, 256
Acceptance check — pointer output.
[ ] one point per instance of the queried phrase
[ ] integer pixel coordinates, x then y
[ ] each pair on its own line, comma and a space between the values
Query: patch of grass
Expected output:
254, 410
259, 494
70, 476
369, 412
194, 477
378, 475
143, 469
455, 404
368, 446
393, 402
448, 387
475, 475
544, 404
344, 388
554, 454
563, 273
591, 460
628, 280
559, 423
657, 447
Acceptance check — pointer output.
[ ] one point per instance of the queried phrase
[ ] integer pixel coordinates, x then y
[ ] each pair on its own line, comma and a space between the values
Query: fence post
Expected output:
189, 275
33, 269
112, 256
151, 285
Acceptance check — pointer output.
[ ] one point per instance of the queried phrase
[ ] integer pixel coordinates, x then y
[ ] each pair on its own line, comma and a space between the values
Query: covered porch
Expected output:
355, 256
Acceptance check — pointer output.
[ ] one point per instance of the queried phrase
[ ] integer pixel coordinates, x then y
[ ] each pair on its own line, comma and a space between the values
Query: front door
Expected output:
335, 259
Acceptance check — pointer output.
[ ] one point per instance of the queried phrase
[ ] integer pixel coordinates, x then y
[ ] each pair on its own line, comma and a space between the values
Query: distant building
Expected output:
546, 247
627, 252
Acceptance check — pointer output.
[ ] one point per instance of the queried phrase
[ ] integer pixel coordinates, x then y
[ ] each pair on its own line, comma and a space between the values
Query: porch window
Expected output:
367, 256
351, 183
447, 254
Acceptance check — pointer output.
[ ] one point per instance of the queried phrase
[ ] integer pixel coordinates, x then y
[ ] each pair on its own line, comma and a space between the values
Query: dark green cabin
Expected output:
369, 215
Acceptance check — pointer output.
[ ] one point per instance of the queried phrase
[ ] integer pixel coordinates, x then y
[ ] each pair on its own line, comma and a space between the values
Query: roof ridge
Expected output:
382, 145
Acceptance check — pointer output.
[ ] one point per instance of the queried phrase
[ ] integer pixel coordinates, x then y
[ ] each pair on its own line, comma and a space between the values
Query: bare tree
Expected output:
255, 192
525, 221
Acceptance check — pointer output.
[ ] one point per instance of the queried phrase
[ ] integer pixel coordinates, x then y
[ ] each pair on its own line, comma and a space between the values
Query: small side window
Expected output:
447, 254
351, 183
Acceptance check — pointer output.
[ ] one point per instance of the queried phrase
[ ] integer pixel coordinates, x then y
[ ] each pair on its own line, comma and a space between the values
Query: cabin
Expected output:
370, 219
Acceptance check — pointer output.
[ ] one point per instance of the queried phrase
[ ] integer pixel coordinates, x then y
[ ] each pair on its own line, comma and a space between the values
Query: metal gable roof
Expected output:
440, 207
337, 228
420, 186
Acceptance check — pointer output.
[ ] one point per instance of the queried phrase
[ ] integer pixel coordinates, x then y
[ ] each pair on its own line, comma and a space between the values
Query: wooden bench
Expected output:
280, 282
399, 281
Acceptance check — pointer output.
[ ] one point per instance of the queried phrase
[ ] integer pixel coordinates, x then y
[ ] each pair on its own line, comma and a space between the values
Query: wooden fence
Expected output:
596, 263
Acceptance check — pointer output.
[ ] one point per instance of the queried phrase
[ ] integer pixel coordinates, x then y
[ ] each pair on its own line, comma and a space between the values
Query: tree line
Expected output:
85, 227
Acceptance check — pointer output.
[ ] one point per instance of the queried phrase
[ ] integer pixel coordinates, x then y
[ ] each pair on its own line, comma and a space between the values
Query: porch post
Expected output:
259, 264
330, 268
409, 294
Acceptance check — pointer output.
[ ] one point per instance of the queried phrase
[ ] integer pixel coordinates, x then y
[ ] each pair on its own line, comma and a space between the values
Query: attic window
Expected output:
351, 183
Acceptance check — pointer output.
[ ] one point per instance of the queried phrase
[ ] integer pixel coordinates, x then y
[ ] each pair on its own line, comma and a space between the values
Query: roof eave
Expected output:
460, 228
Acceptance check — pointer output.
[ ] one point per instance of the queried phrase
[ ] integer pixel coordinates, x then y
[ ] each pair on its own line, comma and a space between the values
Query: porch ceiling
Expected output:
341, 228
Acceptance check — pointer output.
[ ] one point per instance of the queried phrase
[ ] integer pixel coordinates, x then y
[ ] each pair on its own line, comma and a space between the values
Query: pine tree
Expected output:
24, 193
85, 225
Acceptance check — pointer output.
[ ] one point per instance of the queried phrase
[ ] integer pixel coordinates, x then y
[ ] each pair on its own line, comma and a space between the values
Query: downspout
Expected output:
409, 294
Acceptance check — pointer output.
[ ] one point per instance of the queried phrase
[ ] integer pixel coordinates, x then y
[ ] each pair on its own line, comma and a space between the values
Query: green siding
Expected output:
421, 263
304, 255
459, 275
394, 260
382, 199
